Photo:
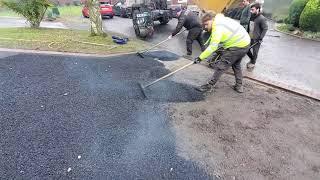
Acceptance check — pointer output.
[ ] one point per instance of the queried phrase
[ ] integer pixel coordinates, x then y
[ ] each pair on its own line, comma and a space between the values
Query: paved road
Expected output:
65, 117
176, 45
287, 59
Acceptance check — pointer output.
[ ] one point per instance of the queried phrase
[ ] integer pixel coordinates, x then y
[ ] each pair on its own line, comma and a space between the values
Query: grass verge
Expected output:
304, 34
70, 11
63, 41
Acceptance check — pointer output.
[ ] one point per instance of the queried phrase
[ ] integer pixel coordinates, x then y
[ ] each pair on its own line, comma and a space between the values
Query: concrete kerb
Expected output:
295, 90
265, 81
258, 80
268, 82
63, 53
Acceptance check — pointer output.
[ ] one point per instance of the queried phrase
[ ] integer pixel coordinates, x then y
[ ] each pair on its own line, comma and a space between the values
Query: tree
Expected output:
95, 18
310, 17
295, 11
32, 10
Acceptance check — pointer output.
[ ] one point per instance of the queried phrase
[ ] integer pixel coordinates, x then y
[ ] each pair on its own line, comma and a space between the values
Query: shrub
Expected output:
310, 17
295, 11
286, 20
55, 12
32, 10
50, 16
290, 27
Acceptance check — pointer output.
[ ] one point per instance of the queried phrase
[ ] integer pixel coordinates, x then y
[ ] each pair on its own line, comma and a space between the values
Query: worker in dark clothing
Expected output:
191, 22
259, 31
246, 15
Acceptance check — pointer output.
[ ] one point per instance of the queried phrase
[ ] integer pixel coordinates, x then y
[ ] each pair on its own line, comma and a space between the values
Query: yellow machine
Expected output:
216, 6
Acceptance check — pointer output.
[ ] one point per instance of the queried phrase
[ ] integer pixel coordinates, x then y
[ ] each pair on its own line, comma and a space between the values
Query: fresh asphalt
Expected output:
66, 117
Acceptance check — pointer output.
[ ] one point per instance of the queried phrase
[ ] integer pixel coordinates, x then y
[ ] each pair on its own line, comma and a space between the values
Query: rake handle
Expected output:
144, 51
170, 74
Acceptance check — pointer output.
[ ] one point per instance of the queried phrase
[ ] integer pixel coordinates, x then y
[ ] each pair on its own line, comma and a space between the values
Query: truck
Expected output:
123, 8
216, 6
145, 12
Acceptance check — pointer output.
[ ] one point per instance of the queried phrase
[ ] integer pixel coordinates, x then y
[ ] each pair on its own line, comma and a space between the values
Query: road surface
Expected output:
85, 118
285, 59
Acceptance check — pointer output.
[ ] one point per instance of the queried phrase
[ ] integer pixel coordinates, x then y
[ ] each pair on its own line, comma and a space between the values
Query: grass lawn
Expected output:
65, 11
63, 40
7, 13
70, 11
306, 34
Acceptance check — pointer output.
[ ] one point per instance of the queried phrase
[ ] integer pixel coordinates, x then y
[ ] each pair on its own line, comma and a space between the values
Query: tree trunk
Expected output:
95, 18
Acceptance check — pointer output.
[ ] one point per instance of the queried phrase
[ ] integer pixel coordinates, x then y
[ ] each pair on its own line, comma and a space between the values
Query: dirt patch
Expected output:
262, 134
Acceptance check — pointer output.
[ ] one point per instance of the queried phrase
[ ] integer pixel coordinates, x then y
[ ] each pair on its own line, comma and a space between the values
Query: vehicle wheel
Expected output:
136, 31
123, 14
164, 21
85, 16
134, 14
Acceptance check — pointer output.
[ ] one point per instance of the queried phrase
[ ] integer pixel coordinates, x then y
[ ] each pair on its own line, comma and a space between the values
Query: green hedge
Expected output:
310, 17
295, 11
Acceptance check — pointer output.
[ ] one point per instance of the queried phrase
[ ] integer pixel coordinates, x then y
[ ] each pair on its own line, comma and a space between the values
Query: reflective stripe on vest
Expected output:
234, 33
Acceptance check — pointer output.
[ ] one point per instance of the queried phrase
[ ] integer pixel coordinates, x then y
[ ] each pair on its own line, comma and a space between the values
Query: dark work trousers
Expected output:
229, 58
253, 52
195, 34
247, 27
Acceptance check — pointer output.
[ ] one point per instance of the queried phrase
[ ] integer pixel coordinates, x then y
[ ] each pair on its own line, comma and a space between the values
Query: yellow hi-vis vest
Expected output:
227, 32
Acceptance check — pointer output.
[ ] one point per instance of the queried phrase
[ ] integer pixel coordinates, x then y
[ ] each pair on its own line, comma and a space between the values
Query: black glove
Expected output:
197, 60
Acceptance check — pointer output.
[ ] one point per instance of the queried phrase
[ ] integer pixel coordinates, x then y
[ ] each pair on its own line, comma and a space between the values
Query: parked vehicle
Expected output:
194, 8
123, 9
145, 12
106, 9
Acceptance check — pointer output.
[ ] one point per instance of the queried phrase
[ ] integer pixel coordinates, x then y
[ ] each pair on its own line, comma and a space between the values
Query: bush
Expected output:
290, 27
286, 20
50, 16
310, 17
32, 10
295, 11
55, 12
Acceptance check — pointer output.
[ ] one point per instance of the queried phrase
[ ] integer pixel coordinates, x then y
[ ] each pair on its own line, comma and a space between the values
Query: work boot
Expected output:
250, 65
238, 88
188, 56
205, 88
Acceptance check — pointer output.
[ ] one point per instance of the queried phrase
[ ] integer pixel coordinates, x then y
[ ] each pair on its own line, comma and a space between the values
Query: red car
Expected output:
105, 9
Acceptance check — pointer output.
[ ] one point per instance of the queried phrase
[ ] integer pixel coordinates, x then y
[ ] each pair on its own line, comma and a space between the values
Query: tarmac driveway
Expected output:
85, 118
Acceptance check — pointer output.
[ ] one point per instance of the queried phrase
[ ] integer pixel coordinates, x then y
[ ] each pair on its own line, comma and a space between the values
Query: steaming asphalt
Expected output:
65, 117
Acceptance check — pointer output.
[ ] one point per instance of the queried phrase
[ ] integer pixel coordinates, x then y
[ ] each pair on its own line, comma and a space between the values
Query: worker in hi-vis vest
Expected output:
234, 42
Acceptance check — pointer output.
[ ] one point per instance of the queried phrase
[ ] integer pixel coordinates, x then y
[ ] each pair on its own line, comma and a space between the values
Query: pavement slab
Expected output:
67, 117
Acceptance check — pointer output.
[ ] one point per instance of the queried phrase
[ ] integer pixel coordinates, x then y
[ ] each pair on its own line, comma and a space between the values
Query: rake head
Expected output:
140, 55
142, 90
